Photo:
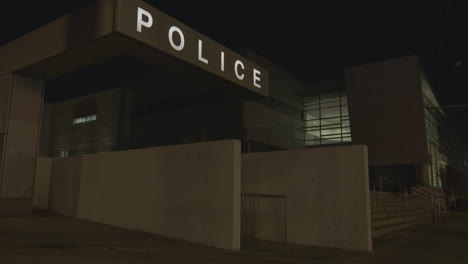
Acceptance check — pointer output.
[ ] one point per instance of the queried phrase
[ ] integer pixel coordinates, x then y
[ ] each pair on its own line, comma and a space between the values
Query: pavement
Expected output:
47, 238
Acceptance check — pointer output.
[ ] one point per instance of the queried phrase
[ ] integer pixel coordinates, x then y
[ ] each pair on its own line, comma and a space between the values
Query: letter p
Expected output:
141, 22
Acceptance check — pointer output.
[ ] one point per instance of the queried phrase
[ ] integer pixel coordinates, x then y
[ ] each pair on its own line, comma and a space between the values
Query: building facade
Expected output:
113, 119
391, 108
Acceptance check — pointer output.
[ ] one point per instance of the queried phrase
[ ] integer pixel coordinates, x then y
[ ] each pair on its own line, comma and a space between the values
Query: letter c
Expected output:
236, 69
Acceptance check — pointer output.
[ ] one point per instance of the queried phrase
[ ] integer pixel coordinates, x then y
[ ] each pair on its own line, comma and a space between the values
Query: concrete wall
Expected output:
20, 119
264, 217
326, 192
65, 185
386, 110
42, 183
189, 192
22, 137
6, 86
46, 129
58, 37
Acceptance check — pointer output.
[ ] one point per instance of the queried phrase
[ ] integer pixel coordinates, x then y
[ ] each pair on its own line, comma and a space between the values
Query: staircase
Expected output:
428, 192
391, 211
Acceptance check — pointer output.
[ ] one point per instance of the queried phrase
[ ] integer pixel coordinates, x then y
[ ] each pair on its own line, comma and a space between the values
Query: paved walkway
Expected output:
52, 239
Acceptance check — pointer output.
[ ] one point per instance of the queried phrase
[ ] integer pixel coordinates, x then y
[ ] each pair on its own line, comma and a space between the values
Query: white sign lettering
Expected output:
256, 78
174, 38
200, 52
171, 38
222, 60
141, 22
236, 69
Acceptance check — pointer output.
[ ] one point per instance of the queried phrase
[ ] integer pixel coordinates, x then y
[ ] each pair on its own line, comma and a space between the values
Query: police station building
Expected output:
119, 114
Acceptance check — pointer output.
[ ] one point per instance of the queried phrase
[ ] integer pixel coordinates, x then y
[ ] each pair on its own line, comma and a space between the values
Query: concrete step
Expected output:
396, 195
377, 224
400, 201
395, 199
379, 204
389, 196
381, 208
390, 228
400, 213
398, 208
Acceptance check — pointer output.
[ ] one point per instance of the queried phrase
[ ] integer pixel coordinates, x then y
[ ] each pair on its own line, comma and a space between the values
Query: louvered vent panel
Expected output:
74, 130
266, 125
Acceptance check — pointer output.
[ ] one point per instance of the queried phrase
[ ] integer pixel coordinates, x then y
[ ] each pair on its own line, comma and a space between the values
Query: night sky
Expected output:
312, 39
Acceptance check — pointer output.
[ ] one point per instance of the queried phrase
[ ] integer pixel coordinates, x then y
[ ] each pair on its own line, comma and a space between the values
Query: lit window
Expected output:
84, 119
327, 119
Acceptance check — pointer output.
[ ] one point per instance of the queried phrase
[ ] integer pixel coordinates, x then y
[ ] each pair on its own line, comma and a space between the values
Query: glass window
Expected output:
344, 100
331, 127
329, 105
329, 97
312, 124
329, 112
313, 141
344, 111
313, 134
331, 137
345, 123
312, 114
84, 119
331, 141
79, 120
327, 119
327, 132
330, 121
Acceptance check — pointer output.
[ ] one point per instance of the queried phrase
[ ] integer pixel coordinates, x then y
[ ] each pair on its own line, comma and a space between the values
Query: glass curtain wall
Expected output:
435, 167
326, 119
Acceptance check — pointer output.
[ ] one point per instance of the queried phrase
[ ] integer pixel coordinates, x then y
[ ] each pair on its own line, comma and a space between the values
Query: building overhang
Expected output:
131, 28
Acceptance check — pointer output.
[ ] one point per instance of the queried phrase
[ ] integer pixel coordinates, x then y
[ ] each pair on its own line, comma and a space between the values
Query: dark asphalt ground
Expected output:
54, 239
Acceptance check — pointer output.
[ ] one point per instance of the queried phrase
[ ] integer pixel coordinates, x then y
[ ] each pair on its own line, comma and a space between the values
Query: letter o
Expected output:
182, 38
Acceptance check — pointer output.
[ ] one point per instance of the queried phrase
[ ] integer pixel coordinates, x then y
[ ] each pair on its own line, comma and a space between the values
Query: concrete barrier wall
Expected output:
20, 116
326, 193
190, 192
65, 185
42, 183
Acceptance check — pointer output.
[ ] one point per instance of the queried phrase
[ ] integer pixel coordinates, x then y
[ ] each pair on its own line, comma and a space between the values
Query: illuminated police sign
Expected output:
147, 24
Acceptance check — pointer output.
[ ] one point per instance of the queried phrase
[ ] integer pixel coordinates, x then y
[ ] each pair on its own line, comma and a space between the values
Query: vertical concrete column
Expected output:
21, 100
